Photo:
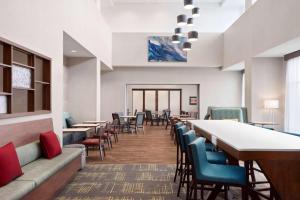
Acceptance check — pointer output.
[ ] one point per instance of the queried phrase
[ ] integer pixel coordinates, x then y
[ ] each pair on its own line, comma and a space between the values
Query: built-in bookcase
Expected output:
25, 82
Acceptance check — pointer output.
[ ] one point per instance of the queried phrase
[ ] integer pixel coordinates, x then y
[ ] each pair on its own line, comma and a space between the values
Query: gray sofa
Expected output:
219, 113
37, 169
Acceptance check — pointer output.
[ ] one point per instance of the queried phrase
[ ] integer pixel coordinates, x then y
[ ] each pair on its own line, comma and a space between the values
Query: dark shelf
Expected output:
5, 93
4, 65
22, 65
42, 82
22, 88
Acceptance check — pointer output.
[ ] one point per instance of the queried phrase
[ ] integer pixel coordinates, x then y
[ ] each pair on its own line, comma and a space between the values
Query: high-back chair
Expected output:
95, 141
139, 121
151, 118
178, 155
212, 157
117, 122
167, 116
205, 173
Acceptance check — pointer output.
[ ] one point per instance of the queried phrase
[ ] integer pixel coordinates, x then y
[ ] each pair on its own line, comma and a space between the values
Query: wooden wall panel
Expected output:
25, 132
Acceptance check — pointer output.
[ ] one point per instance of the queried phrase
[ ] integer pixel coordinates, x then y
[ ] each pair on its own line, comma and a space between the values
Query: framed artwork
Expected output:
193, 101
161, 49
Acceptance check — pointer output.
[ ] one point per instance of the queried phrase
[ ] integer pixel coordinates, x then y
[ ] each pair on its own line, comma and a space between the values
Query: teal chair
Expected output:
212, 157
178, 154
205, 173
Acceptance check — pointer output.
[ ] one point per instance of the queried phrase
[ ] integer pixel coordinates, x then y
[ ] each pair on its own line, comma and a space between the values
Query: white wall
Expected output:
266, 24
131, 49
187, 92
268, 82
161, 16
39, 25
217, 88
80, 92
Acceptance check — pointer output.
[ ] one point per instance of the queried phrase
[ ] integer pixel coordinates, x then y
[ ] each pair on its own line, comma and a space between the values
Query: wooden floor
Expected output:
155, 146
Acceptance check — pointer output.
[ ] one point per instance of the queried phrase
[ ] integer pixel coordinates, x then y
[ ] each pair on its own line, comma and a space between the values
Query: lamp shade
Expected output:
192, 36
195, 12
187, 46
189, 4
181, 20
271, 104
175, 39
178, 31
190, 22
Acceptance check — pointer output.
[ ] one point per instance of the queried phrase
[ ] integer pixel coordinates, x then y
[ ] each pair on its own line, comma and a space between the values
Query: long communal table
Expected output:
278, 154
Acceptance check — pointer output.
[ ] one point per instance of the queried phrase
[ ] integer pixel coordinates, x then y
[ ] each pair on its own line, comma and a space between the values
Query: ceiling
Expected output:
72, 48
160, 15
117, 2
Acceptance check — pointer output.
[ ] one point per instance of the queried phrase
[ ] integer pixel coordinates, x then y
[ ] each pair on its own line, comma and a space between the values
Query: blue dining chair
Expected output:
175, 127
206, 173
212, 157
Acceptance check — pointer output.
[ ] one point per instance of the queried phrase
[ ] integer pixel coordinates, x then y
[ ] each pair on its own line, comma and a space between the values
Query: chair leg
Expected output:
195, 191
244, 193
181, 175
177, 164
187, 181
101, 152
87, 150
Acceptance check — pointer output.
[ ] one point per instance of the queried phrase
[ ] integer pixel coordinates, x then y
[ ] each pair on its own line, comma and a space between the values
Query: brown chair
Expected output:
113, 130
95, 142
151, 118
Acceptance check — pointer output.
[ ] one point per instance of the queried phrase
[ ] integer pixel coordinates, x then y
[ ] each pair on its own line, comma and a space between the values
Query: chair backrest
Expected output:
135, 112
116, 118
227, 113
188, 138
199, 158
180, 131
148, 115
139, 121
167, 114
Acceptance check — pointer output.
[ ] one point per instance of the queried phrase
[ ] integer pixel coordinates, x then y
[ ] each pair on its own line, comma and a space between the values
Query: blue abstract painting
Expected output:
161, 49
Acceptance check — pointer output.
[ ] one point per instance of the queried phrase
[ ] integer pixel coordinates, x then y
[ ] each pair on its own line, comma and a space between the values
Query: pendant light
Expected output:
178, 31
190, 22
195, 12
175, 39
192, 36
187, 46
189, 4
181, 20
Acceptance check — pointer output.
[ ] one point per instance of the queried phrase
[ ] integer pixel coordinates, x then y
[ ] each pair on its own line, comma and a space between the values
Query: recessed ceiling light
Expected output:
73, 51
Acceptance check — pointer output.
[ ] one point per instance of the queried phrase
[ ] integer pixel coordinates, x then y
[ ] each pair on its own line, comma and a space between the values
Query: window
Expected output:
292, 98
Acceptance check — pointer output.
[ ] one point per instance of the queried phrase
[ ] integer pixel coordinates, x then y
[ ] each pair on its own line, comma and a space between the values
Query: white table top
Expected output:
244, 137
86, 125
95, 122
127, 116
65, 130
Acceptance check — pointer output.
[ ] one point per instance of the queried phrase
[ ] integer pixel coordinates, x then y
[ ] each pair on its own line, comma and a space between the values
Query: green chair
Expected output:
205, 173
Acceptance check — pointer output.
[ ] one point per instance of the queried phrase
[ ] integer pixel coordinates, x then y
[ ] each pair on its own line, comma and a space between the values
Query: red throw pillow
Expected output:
50, 144
10, 167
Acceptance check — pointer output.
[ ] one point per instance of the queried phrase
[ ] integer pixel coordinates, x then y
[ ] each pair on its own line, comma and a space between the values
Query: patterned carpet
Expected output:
126, 182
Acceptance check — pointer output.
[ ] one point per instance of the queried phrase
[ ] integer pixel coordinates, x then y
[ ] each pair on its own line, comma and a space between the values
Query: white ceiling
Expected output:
160, 15
72, 48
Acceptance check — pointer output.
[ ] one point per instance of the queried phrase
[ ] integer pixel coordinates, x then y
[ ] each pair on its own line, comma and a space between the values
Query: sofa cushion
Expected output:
50, 144
10, 167
41, 169
29, 153
16, 189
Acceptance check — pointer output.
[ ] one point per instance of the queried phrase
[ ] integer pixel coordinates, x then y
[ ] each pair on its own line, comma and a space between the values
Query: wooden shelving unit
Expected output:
33, 98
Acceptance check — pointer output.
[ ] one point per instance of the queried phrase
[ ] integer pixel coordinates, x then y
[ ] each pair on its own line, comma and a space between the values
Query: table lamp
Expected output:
271, 104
